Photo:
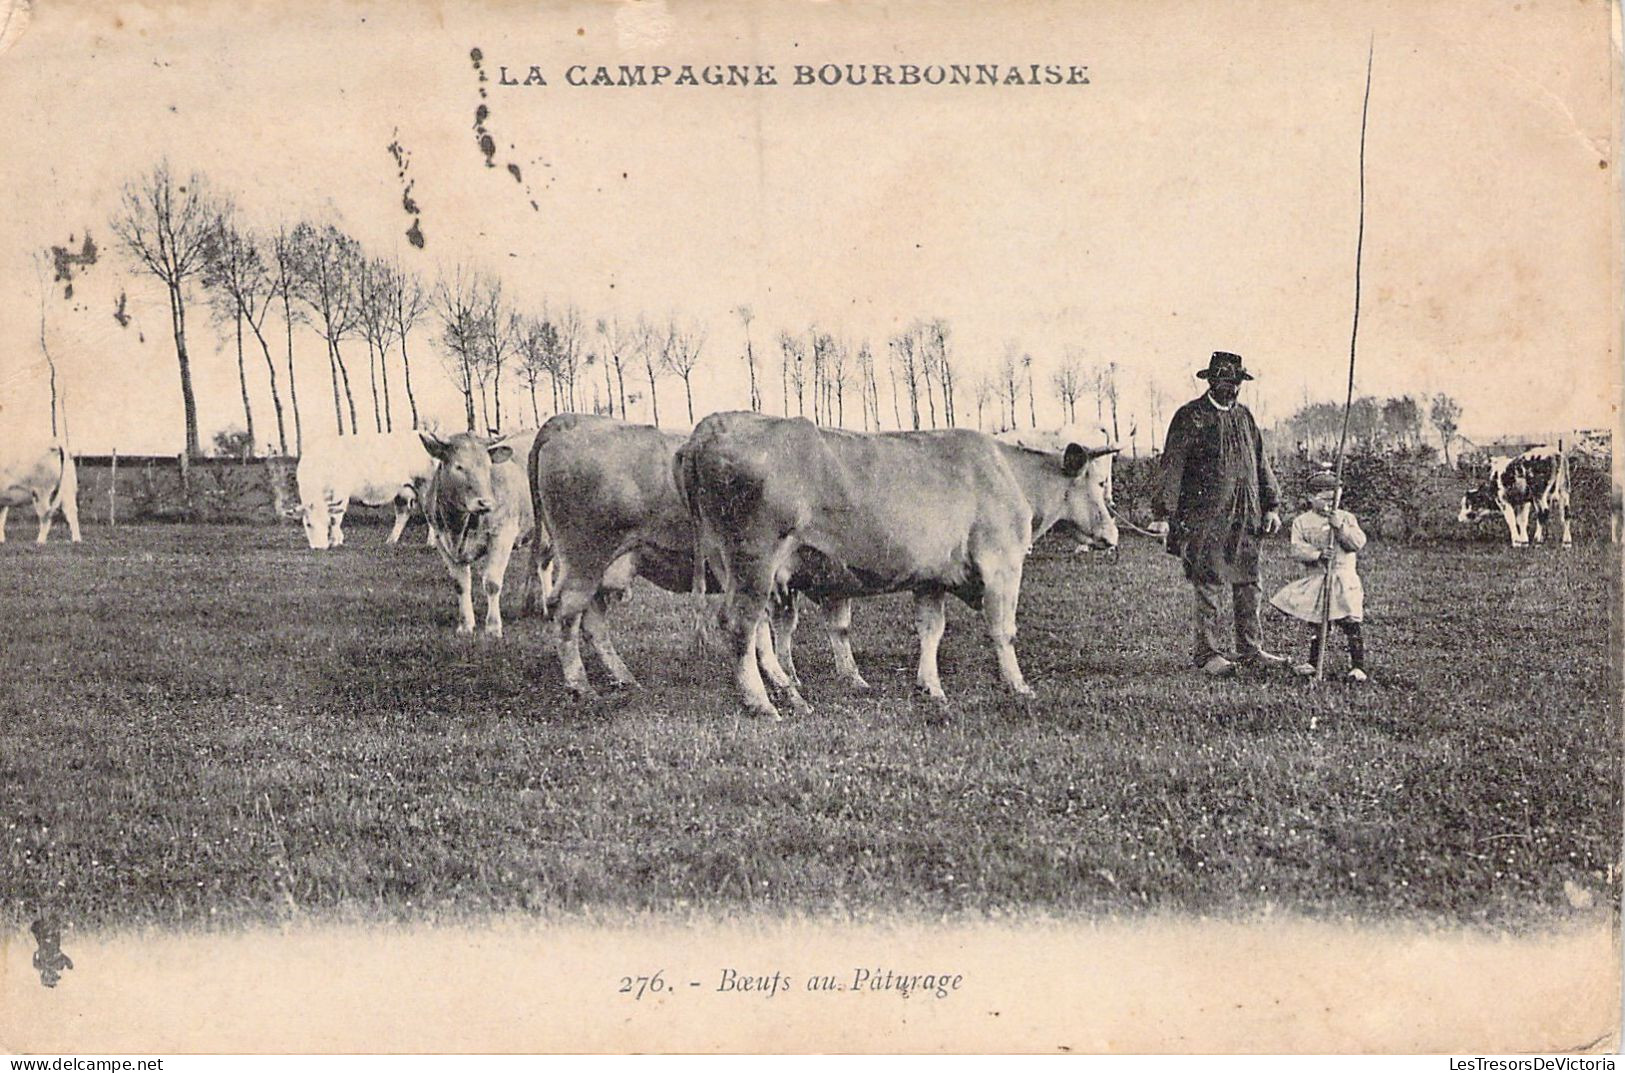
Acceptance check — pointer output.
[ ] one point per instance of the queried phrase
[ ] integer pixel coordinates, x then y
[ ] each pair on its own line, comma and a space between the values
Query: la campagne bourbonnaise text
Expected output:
804, 74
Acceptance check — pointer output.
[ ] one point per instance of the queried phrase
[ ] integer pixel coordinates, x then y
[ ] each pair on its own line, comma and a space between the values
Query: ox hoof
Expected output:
770, 713
629, 685
584, 693
856, 681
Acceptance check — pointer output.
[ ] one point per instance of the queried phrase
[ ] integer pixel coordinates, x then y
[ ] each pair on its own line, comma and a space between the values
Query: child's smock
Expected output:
1310, 536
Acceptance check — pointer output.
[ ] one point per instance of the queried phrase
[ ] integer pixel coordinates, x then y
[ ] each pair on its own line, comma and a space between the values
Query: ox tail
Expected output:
62, 462
686, 473
542, 571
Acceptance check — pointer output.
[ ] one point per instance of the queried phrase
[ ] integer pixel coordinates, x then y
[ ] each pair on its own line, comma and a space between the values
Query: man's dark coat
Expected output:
1215, 486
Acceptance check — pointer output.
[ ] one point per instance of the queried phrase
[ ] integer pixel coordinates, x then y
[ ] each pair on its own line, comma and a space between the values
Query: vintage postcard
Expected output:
1184, 434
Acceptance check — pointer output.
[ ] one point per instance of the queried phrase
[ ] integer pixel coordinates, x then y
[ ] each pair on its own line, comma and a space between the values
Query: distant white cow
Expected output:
45, 479
372, 469
479, 507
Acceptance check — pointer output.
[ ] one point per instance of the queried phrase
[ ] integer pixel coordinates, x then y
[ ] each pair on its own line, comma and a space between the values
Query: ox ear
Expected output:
437, 447
1078, 456
499, 453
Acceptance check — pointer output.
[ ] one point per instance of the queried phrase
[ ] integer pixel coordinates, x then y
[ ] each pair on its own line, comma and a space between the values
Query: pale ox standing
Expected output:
478, 505
44, 479
858, 514
373, 469
605, 497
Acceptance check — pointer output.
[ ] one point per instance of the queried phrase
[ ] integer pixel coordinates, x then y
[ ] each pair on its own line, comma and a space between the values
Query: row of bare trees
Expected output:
181, 232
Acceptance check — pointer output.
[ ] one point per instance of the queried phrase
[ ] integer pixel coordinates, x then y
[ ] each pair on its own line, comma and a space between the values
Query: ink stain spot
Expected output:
414, 234
481, 114
65, 261
513, 169
119, 314
1603, 164
408, 204
489, 148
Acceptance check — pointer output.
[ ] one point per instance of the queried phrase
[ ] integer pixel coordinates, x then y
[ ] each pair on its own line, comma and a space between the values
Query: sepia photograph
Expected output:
626, 526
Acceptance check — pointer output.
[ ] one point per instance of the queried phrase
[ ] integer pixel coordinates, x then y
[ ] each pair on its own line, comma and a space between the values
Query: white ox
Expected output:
374, 469
856, 514
478, 506
45, 479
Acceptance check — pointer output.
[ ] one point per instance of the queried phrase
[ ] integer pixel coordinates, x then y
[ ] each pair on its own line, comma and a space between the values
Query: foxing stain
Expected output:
49, 958
482, 133
65, 261
403, 167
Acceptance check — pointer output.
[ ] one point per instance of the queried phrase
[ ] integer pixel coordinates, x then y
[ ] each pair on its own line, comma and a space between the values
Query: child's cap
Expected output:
1323, 480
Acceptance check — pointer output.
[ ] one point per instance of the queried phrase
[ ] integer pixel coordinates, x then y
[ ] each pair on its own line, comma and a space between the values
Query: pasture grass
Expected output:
207, 726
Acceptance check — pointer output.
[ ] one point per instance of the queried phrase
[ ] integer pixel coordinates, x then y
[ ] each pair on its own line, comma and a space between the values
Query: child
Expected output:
1316, 534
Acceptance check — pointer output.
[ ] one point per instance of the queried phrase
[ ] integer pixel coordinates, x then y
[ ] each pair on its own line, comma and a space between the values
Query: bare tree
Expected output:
282, 266
410, 304
906, 354
167, 228
649, 344
502, 331
571, 335
1069, 380
327, 260
618, 341
1109, 391
871, 393
539, 354
984, 391
792, 357
376, 304
681, 354
1157, 401
1032, 400
937, 336
817, 349
840, 371
1445, 414
1009, 387
745, 317
457, 305
241, 288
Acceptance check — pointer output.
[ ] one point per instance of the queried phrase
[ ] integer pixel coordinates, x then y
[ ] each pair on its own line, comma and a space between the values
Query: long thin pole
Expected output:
1348, 402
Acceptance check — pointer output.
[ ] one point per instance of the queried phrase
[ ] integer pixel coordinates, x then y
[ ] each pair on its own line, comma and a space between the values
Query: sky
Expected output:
1201, 192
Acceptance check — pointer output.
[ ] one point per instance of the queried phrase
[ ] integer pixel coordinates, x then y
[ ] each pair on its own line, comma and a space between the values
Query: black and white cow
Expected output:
1536, 482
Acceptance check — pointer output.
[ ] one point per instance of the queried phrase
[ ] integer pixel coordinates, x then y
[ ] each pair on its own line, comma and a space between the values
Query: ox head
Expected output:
1088, 511
1484, 500
314, 515
1476, 503
462, 484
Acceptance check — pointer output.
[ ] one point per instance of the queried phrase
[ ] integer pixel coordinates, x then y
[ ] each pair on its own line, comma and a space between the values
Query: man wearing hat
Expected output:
1217, 495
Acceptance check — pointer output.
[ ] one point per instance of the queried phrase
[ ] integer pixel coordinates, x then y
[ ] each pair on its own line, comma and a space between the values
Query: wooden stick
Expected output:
1348, 403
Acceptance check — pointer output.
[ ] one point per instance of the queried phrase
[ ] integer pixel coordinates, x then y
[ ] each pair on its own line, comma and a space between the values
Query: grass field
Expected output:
209, 726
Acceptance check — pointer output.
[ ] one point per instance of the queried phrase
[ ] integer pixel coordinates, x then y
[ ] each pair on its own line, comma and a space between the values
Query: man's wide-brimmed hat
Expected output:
1225, 365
